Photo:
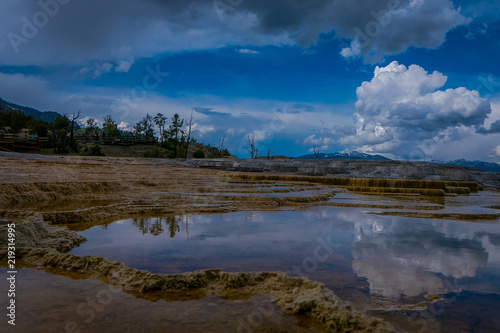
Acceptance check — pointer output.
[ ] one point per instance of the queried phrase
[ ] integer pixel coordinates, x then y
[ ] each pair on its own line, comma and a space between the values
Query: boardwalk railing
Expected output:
17, 142
117, 139
13, 142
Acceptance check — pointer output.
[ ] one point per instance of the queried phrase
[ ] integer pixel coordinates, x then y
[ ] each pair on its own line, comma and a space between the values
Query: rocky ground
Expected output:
49, 196
357, 169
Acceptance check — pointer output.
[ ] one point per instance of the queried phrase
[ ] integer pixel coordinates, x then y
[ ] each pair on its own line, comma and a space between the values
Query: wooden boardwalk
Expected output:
14, 142
118, 139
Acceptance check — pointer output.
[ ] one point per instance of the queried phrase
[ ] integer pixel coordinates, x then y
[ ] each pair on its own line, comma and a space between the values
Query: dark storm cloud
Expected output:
52, 33
377, 27
303, 107
494, 128
111, 30
381, 28
339, 131
487, 10
209, 112
297, 108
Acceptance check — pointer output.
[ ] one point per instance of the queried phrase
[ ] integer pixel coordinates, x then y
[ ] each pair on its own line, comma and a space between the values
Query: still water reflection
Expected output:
48, 303
411, 256
393, 257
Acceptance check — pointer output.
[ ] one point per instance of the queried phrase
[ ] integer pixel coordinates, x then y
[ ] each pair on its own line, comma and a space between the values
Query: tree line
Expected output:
174, 134
177, 137
60, 130
13, 121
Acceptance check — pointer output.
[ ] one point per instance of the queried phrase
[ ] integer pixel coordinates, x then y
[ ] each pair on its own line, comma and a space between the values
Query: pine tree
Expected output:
147, 124
174, 133
110, 128
160, 121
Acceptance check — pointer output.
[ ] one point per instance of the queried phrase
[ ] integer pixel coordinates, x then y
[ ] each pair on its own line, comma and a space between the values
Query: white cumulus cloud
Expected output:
247, 51
497, 151
402, 112
124, 66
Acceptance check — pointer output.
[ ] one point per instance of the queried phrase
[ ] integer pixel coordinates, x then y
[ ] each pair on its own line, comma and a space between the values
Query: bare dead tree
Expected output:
73, 118
316, 150
210, 150
252, 149
221, 145
189, 132
269, 153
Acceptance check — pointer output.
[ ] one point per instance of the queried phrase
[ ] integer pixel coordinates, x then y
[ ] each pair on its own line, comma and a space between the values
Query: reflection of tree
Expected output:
173, 224
154, 226
142, 224
105, 226
151, 226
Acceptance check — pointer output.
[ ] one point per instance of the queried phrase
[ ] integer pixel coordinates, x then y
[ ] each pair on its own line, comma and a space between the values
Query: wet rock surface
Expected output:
293, 295
356, 169
33, 232
124, 187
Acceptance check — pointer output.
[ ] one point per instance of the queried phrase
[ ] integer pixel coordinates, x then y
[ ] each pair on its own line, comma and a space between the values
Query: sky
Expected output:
407, 79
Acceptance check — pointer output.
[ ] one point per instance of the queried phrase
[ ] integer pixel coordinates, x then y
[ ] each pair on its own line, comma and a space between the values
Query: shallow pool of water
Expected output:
375, 262
54, 304
394, 255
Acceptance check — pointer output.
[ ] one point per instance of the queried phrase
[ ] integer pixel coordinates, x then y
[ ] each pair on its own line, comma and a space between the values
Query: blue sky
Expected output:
408, 79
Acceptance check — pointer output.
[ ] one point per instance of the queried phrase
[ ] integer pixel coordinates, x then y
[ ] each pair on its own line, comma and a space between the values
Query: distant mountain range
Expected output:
487, 166
47, 116
344, 155
355, 155
347, 154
